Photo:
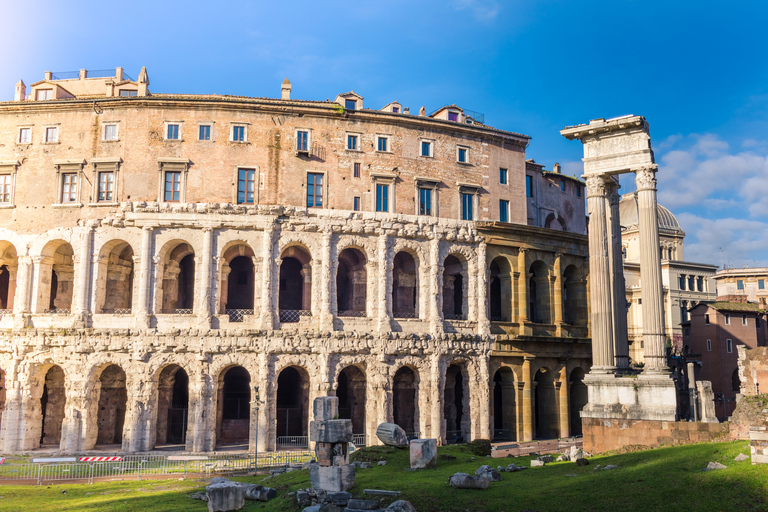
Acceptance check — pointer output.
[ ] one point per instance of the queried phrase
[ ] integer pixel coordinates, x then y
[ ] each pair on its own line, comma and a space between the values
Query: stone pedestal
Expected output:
643, 397
332, 472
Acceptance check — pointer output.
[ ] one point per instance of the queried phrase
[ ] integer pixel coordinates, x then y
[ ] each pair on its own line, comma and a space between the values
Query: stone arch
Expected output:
500, 290
538, 293
176, 272
112, 404
115, 271
574, 296
237, 285
351, 391
405, 399
455, 287
233, 409
8, 266
172, 422
504, 405
405, 284
556, 222
351, 282
55, 283
295, 282
456, 402
52, 406
291, 404
577, 395
545, 418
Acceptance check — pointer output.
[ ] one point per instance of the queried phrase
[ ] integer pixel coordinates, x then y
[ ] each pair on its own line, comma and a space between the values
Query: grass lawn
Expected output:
654, 480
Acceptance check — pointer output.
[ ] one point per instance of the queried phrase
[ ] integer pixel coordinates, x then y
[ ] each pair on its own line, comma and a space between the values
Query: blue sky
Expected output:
696, 70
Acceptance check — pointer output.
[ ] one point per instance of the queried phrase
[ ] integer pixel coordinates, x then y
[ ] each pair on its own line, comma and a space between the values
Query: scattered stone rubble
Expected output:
314, 500
488, 472
332, 471
714, 465
224, 495
392, 435
423, 453
467, 481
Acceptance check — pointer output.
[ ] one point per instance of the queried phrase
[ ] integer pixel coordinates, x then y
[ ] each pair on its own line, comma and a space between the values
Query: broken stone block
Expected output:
546, 458
423, 453
303, 499
332, 478
536, 463
610, 466
714, 465
392, 435
326, 408
467, 481
489, 472
358, 504
225, 496
365, 465
400, 506
339, 498
582, 462
741, 457
330, 431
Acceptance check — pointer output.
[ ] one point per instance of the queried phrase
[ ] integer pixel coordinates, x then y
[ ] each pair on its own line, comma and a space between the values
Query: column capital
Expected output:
645, 177
596, 186
148, 228
612, 192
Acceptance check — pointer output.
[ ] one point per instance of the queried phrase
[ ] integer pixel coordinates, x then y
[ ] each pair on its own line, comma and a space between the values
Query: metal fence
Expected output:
360, 440
351, 313
182, 311
293, 315
238, 315
52, 469
292, 442
56, 311
122, 311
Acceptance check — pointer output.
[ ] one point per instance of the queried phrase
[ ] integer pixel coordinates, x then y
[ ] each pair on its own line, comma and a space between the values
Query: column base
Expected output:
629, 397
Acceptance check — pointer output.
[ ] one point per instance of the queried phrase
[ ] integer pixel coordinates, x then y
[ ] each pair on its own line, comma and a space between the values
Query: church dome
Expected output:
628, 214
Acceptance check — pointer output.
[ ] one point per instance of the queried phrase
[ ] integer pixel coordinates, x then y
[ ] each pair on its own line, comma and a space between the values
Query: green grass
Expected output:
661, 479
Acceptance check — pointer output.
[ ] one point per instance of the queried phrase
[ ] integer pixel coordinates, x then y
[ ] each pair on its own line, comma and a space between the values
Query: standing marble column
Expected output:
563, 406
437, 379
23, 281
326, 316
204, 295
145, 278
619, 297
650, 272
527, 402
601, 296
84, 274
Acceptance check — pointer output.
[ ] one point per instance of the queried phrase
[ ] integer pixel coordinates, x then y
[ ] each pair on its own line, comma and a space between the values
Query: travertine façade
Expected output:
143, 318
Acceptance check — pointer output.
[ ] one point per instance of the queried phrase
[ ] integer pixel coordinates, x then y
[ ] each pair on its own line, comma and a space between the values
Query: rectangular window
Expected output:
238, 134
396, 110
246, 186
172, 132
503, 210
425, 201
709, 345
382, 198
44, 94
466, 206
761, 284
578, 190
204, 132
314, 190
706, 319
106, 186
356, 203
352, 142
350, 104
691, 283
110, 132
383, 144
172, 186
562, 185
302, 140
739, 284
356, 170
25, 135
5, 188
69, 188
461, 155
503, 176
453, 116
128, 93
528, 186
743, 319
729, 346
699, 280
426, 148
51, 134
727, 319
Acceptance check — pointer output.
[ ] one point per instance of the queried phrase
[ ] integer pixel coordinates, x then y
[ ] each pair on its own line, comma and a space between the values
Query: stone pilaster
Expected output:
527, 401
438, 382
204, 294
21, 307
616, 263
483, 323
601, 293
145, 278
563, 406
383, 266
435, 299
522, 289
482, 426
325, 282
82, 286
650, 272
557, 296
268, 265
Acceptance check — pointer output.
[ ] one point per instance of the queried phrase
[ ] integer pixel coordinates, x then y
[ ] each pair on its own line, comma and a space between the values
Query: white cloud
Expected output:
483, 10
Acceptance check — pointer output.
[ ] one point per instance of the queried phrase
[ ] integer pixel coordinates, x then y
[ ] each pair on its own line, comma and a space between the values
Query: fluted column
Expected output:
84, 273
527, 402
268, 262
483, 324
650, 272
326, 318
619, 297
204, 294
145, 277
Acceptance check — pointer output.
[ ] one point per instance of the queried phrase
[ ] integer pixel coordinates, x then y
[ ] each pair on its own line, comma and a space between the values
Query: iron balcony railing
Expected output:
288, 316
360, 440
122, 311
57, 311
455, 317
4, 312
404, 314
182, 311
351, 313
453, 436
238, 315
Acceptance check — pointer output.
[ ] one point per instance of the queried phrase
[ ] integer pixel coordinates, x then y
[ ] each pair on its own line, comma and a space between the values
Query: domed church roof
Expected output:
629, 217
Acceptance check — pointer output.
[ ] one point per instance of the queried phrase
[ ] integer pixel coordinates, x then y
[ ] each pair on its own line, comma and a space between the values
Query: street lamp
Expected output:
255, 403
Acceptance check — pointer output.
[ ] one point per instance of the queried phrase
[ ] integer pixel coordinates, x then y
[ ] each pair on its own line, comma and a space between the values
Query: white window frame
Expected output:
359, 137
383, 179
431, 143
9, 169
210, 126
54, 127
258, 176
30, 131
729, 346
507, 210
388, 138
104, 125
431, 184
709, 345
172, 165
69, 167
458, 148
473, 190
307, 151
325, 189
181, 130
506, 176
38, 91
232, 133
105, 165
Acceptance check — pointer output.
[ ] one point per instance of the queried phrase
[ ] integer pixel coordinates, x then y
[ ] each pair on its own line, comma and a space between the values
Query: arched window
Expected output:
295, 293
454, 288
538, 293
351, 283
405, 286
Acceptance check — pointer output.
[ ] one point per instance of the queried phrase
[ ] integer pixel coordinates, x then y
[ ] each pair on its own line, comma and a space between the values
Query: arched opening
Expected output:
116, 263
538, 293
113, 397
172, 405
405, 387
574, 297
405, 282
504, 405
292, 406
52, 404
57, 271
8, 267
351, 393
351, 283
545, 400
500, 288
578, 399
454, 289
234, 406
456, 404
294, 296
555, 222
237, 282
179, 280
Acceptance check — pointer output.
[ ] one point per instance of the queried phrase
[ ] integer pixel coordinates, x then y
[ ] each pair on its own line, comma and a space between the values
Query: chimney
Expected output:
143, 82
423, 111
556, 168
406, 110
285, 89
21, 91
48, 75
119, 74
83, 74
